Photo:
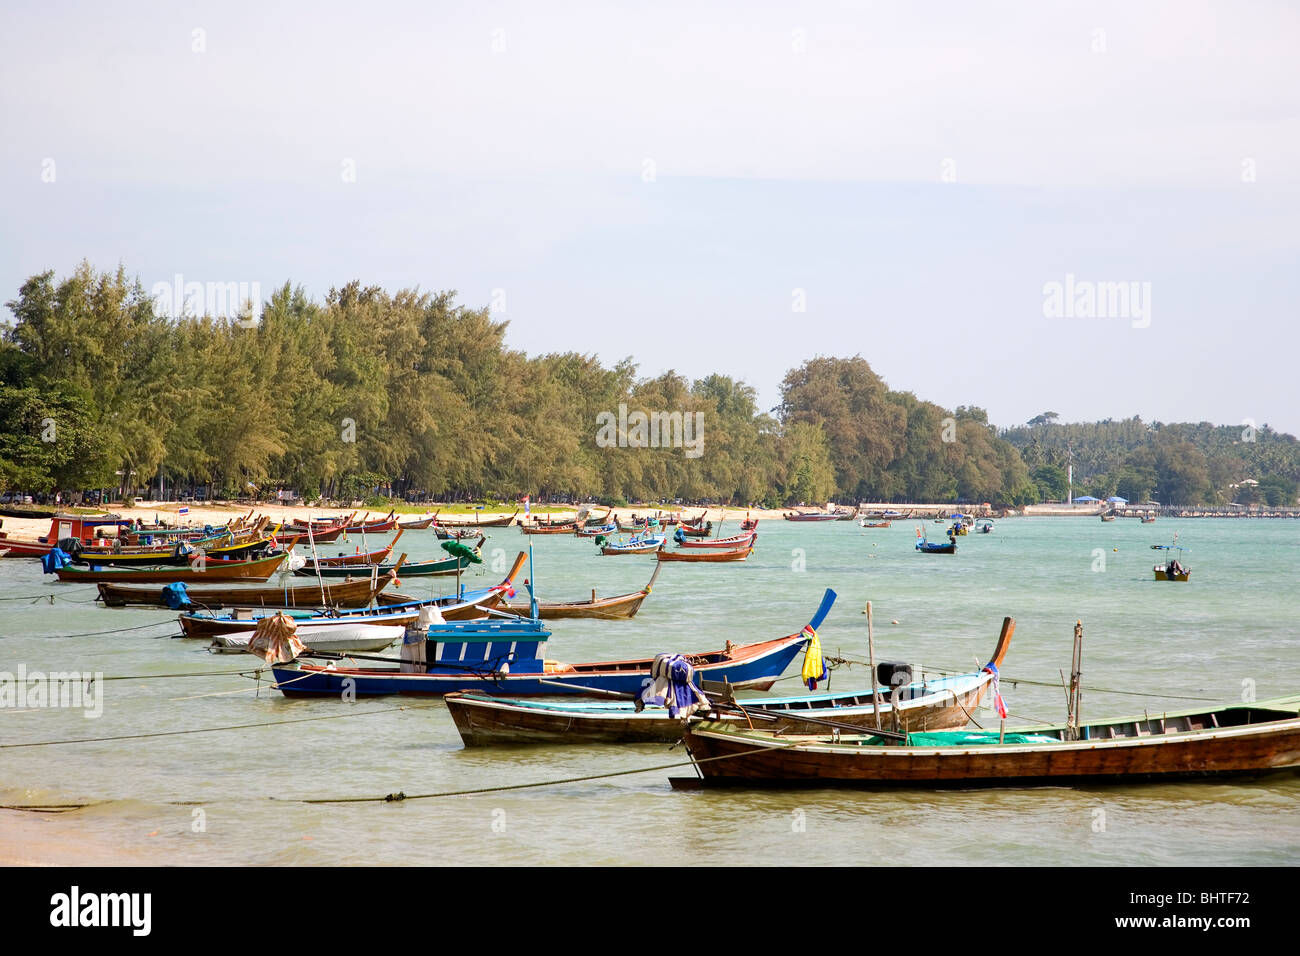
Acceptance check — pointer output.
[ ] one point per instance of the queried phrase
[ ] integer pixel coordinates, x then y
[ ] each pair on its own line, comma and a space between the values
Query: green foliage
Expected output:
371, 391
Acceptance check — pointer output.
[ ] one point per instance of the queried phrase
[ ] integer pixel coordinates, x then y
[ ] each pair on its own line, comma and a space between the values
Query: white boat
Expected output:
337, 638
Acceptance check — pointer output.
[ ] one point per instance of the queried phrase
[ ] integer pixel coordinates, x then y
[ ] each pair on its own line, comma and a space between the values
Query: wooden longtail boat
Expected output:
323, 532
407, 569
349, 637
1236, 740
344, 560
83, 528
875, 524
376, 527
694, 531
344, 594
210, 569
557, 527
931, 547
922, 705
418, 525
707, 554
507, 656
621, 607
735, 541
502, 522
637, 544
812, 516
467, 607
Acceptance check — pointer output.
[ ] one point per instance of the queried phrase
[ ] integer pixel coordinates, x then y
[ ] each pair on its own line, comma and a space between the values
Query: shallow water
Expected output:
1148, 646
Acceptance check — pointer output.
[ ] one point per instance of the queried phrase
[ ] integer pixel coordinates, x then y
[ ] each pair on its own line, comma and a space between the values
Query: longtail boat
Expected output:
812, 516
735, 541
508, 656
383, 526
346, 594
637, 544
501, 522
85, 529
694, 531
620, 607
465, 607
932, 547
356, 559
449, 565
421, 524
921, 705
1199, 744
349, 637
209, 569
707, 554
550, 527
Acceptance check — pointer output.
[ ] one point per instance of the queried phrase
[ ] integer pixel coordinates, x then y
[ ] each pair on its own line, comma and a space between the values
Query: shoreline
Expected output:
220, 514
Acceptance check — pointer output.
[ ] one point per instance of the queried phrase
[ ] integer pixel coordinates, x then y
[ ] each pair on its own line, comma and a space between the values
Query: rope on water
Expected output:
400, 796
35, 598
204, 730
116, 630
951, 672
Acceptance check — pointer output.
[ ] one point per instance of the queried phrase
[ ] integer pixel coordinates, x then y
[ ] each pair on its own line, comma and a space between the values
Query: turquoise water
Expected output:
1148, 646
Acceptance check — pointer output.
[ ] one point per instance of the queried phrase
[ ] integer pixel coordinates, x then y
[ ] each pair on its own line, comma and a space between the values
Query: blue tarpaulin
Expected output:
175, 596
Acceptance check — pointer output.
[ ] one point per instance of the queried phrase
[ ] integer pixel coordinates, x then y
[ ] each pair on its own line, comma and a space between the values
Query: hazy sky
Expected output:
673, 182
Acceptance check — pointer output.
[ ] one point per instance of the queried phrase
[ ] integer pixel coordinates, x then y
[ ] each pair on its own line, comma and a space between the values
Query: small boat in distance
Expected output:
1172, 569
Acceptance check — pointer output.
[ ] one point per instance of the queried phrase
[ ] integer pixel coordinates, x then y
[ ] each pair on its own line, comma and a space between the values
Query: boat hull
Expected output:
754, 666
488, 721
258, 570
726, 756
349, 594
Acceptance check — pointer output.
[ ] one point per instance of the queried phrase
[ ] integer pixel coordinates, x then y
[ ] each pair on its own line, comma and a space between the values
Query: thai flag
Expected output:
183, 511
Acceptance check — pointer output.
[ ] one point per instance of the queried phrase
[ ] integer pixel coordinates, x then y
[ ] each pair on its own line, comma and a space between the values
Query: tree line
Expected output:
413, 392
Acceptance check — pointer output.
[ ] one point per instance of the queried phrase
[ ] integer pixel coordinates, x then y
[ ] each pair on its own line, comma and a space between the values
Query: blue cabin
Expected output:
486, 645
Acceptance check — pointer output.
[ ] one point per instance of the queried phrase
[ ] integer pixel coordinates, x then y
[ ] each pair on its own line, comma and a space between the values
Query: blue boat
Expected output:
508, 657
644, 543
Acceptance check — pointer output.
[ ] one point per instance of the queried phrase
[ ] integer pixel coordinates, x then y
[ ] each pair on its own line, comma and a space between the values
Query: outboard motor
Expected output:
893, 674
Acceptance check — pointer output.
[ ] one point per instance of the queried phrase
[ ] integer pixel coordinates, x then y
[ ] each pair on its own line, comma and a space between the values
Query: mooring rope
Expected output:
203, 730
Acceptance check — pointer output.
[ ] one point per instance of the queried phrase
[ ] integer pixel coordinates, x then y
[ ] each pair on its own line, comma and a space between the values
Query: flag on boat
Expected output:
998, 703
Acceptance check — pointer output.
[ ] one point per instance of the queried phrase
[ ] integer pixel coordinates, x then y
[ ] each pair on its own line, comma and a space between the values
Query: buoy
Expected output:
893, 622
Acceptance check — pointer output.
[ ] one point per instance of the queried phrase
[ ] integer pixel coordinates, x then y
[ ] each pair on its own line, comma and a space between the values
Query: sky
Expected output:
1083, 208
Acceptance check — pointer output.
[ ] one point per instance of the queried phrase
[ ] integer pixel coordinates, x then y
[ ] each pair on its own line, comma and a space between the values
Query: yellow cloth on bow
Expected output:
814, 668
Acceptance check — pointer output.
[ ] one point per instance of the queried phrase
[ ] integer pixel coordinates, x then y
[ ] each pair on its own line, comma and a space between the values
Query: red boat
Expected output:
84, 529
377, 556
731, 543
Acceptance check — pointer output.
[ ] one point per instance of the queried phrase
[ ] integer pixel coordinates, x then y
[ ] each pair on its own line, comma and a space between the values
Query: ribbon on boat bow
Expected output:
814, 665
998, 704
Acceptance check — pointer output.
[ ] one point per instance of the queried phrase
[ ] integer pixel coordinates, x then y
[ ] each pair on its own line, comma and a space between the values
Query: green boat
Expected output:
461, 557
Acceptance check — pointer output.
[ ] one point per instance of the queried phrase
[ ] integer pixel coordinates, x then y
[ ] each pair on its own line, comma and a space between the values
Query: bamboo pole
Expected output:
871, 659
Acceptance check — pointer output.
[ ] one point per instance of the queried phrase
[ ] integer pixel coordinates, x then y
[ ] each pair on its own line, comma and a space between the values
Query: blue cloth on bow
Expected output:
54, 559
671, 685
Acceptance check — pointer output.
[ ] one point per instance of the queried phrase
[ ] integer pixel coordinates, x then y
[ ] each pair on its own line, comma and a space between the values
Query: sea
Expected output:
193, 759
